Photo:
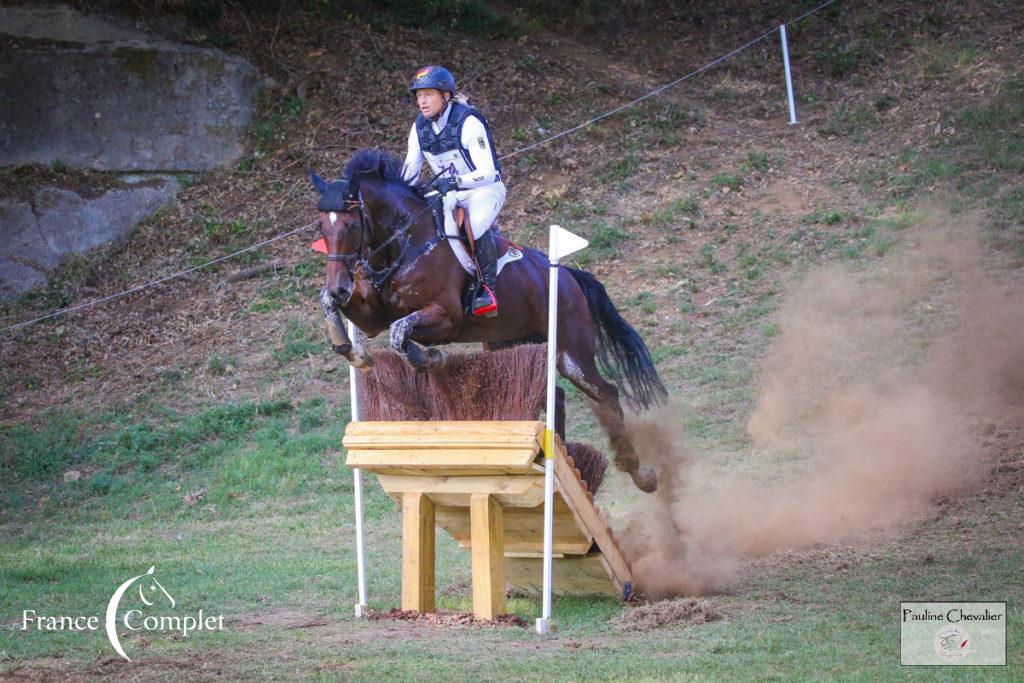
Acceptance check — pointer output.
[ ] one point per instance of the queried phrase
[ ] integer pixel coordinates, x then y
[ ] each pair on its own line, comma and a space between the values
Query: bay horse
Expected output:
389, 269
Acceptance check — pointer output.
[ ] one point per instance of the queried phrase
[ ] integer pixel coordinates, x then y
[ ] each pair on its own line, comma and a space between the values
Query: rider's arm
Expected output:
413, 159
477, 142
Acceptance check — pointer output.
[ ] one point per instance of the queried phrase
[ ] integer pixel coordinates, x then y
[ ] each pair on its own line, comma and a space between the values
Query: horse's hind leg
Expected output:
581, 370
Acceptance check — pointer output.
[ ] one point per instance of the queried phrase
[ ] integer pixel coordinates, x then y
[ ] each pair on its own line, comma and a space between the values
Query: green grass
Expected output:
757, 160
675, 211
855, 122
709, 260
838, 61
605, 240
301, 339
730, 180
273, 530
619, 169
993, 128
644, 301
822, 217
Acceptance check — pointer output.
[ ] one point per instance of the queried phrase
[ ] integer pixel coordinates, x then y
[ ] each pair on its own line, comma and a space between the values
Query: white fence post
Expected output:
789, 76
357, 485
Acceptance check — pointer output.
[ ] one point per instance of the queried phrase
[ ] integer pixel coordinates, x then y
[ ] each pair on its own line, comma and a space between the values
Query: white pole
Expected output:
789, 76
549, 432
357, 477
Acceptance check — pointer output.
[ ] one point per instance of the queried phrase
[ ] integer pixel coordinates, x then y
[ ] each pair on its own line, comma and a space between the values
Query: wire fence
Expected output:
568, 131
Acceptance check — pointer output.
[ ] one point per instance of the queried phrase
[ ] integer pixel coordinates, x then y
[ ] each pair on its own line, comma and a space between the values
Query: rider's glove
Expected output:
445, 184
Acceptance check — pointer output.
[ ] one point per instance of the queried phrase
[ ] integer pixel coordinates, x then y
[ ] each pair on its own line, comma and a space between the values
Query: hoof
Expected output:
646, 479
343, 350
361, 362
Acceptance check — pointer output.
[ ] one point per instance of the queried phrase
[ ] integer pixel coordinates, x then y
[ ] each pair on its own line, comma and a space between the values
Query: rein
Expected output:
356, 258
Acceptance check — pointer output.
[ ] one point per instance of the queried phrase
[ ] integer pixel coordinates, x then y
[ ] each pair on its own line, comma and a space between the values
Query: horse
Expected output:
388, 269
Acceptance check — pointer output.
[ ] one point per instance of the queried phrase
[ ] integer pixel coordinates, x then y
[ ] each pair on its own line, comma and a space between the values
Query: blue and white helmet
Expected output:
433, 77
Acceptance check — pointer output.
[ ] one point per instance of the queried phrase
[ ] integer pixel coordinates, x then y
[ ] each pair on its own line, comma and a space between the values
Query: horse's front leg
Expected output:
432, 323
352, 349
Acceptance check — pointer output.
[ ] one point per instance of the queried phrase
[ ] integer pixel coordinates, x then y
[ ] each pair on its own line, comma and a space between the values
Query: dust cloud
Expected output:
869, 408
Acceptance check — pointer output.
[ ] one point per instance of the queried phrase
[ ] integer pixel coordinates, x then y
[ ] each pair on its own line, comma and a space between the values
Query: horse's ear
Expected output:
318, 182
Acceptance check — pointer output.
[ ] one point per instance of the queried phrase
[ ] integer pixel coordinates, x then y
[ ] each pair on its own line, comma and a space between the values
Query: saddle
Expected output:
501, 243
466, 233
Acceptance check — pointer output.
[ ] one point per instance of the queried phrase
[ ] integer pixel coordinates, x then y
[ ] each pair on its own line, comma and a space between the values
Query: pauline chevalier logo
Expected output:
952, 633
152, 594
952, 643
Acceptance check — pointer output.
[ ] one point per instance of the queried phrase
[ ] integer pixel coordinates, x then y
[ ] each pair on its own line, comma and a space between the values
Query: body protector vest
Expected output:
444, 151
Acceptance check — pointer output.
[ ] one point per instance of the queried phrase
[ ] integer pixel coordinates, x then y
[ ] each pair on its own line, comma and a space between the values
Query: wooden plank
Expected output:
417, 552
584, 575
433, 435
465, 461
524, 491
448, 471
524, 529
497, 428
488, 556
582, 504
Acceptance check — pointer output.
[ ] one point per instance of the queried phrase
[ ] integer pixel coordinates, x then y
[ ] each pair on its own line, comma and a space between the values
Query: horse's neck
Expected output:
419, 232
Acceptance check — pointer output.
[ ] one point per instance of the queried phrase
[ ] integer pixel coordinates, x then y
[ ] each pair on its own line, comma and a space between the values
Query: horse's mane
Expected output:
376, 162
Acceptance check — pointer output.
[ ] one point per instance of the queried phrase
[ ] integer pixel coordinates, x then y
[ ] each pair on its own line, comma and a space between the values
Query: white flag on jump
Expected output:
563, 243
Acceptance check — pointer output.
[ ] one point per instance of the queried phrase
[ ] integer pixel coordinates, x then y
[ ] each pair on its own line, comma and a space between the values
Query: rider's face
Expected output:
430, 101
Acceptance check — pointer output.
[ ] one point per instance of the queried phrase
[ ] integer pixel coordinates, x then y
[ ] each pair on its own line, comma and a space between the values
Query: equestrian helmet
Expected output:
433, 77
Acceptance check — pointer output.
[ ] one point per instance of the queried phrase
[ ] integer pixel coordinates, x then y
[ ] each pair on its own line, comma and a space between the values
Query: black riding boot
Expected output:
487, 257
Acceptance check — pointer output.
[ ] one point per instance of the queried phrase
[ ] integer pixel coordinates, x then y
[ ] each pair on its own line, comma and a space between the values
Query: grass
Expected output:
854, 122
730, 180
822, 217
619, 169
674, 211
644, 301
604, 239
709, 260
272, 530
299, 340
757, 160
993, 130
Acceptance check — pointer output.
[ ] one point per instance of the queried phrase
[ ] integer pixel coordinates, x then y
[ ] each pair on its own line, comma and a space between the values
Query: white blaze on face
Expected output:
333, 216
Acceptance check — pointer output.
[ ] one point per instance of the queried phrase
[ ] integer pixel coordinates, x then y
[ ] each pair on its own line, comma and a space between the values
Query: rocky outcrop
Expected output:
99, 93
56, 222
94, 95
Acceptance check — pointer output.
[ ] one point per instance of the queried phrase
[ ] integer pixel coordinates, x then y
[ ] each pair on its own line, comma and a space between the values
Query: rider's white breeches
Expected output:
482, 204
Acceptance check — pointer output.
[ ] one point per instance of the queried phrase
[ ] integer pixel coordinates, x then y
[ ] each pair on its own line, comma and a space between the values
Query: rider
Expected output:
456, 142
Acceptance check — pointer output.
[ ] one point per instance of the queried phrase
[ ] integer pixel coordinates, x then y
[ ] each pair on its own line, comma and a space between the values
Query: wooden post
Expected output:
417, 552
487, 538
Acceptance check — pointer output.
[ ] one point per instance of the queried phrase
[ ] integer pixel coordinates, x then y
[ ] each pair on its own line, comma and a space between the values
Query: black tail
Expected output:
621, 352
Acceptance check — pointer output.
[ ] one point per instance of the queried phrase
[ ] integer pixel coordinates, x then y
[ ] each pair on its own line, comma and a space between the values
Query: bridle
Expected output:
356, 259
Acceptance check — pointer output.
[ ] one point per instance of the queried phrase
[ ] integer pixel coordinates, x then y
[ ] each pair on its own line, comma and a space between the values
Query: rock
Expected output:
93, 94
16, 278
71, 224
34, 239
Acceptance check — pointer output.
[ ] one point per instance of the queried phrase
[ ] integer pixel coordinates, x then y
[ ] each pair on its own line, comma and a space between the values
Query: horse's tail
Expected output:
621, 352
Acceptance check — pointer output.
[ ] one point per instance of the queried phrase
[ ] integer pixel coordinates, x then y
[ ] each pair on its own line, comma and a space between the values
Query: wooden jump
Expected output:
483, 483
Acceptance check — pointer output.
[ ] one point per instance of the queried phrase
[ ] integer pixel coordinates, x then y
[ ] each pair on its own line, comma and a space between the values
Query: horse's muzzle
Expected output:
340, 296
